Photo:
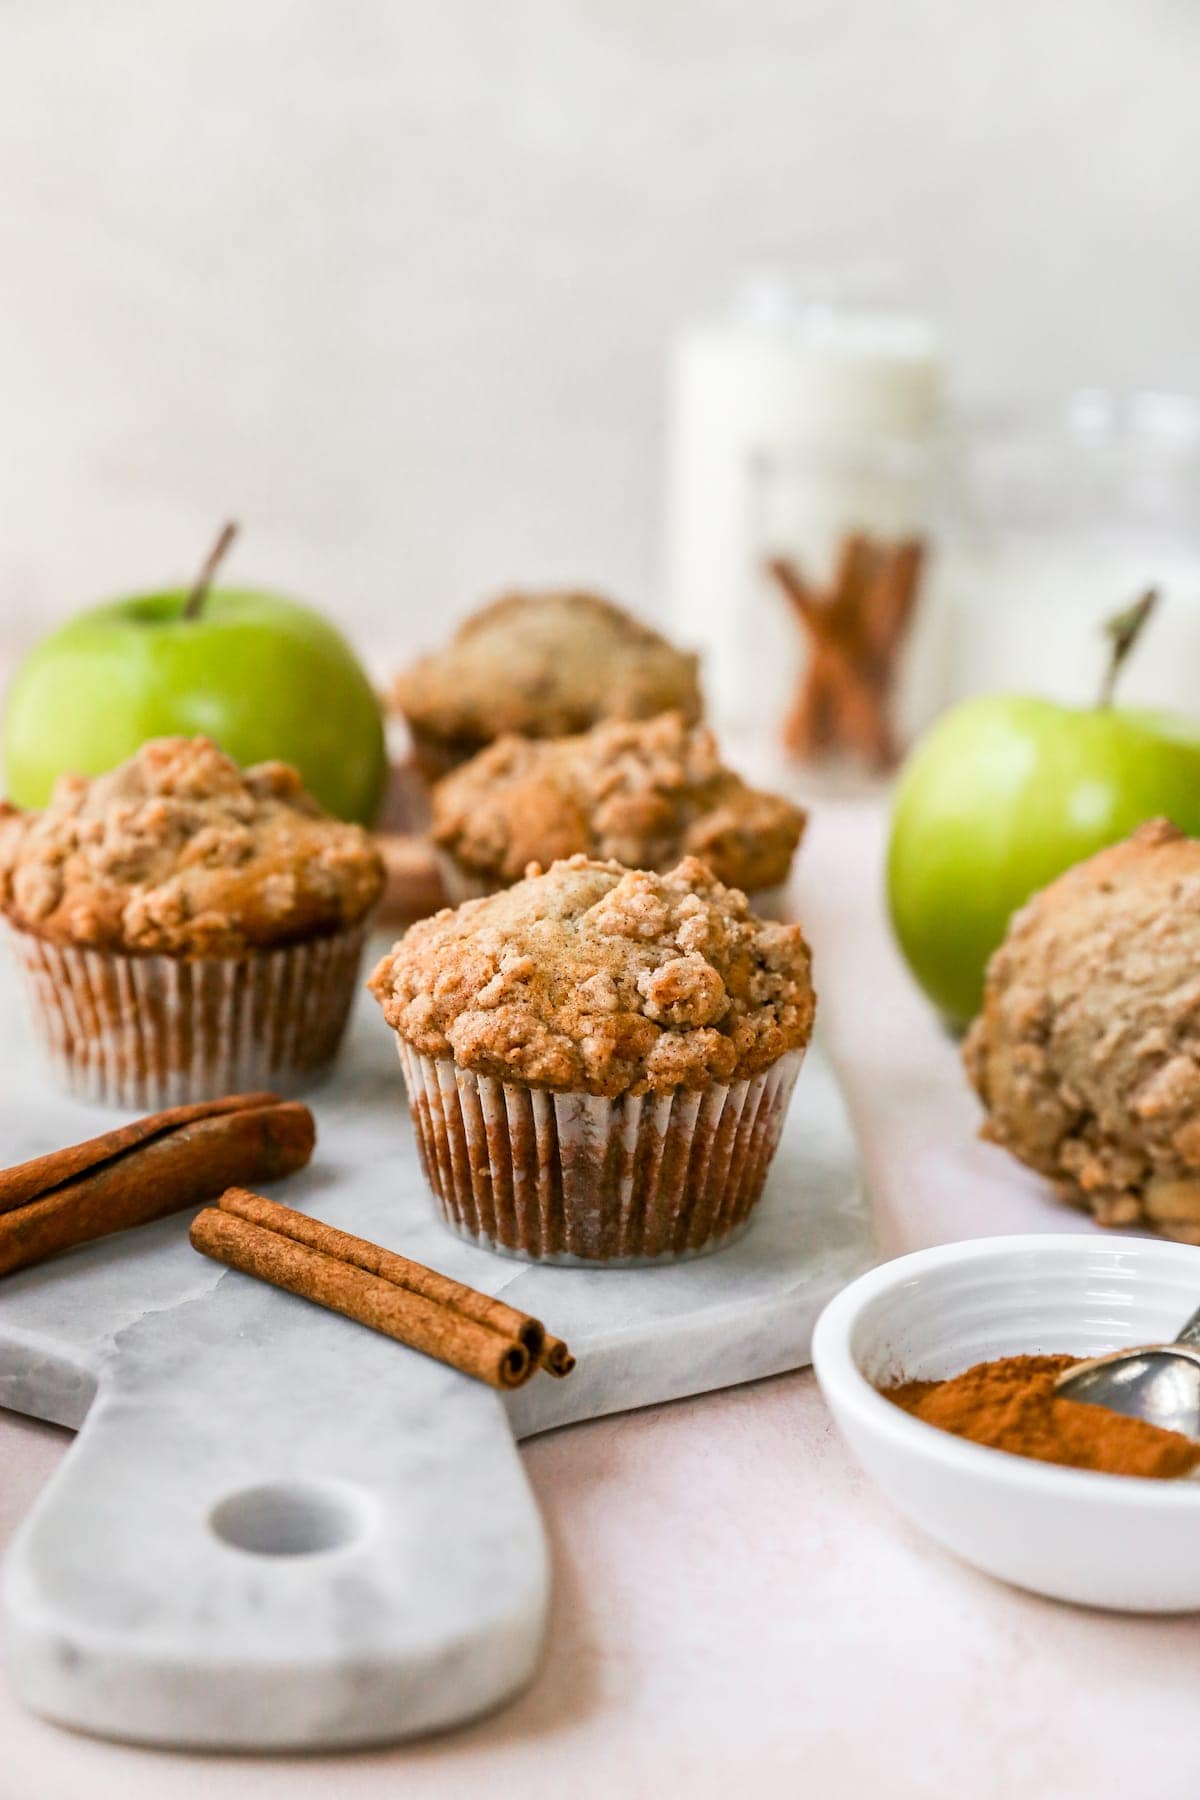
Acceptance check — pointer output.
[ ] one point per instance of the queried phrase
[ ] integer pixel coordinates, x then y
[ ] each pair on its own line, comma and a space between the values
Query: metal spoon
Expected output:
1159, 1383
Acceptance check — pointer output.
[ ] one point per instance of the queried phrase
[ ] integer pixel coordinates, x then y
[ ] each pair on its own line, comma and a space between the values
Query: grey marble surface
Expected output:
279, 1529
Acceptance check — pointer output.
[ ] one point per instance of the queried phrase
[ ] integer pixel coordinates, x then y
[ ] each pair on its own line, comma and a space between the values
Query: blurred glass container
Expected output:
806, 505
800, 414
1069, 520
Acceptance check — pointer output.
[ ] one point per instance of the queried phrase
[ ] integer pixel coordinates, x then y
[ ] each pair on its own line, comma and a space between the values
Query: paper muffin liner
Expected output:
146, 1032
464, 884
576, 1178
434, 756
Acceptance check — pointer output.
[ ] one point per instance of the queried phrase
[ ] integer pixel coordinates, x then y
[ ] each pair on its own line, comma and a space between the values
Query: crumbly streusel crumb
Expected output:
642, 793
1087, 1051
544, 665
602, 979
179, 851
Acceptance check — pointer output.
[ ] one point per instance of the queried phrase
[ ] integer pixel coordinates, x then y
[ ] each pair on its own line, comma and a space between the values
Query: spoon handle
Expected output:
1191, 1331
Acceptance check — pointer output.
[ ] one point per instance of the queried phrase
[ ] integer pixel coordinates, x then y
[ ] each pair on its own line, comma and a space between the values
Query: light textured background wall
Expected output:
393, 283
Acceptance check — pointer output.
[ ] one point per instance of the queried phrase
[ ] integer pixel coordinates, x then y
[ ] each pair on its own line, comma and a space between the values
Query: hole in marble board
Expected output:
290, 1518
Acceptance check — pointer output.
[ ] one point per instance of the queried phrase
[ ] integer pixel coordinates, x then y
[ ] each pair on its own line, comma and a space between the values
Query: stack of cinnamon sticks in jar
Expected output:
856, 631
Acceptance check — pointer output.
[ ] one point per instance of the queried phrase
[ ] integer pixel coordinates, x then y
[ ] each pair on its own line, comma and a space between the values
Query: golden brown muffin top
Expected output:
545, 665
642, 793
179, 851
600, 979
1087, 1051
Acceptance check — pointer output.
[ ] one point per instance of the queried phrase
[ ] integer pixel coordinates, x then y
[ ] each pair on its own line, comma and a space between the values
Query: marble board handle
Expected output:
276, 1530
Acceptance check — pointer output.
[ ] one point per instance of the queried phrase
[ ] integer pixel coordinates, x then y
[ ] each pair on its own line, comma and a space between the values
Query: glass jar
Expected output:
808, 507
805, 412
1070, 519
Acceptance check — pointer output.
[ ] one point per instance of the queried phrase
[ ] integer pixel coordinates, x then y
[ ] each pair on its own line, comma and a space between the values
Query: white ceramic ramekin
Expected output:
1101, 1540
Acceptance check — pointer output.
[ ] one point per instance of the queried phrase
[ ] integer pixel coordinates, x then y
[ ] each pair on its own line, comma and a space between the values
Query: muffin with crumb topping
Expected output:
599, 1060
186, 928
543, 665
642, 792
1086, 1052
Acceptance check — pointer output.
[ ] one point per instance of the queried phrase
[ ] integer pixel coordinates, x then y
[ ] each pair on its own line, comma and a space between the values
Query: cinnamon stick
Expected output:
891, 600
401, 1271
856, 632
26, 1181
857, 560
414, 882
162, 1174
481, 1336
556, 1358
367, 1299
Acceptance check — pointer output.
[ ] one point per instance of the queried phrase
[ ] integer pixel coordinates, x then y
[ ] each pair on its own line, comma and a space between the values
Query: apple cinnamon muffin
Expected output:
1086, 1054
542, 665
186, 928
599, 1060
643, 793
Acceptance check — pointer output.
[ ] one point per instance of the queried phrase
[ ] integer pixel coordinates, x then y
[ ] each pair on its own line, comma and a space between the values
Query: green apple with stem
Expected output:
1005, 793
264, 676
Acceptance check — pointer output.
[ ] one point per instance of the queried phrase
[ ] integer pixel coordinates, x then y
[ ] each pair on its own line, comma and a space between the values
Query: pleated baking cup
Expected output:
464, 884
577, 1178
434, 756
146, 1032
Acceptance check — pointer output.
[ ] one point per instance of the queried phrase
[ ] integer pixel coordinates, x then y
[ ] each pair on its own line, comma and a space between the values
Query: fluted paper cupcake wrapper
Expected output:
576, 1178
462, 884
146, 1032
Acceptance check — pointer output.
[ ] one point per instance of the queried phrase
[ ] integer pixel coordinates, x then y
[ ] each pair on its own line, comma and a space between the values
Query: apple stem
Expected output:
194, 604
1123, 631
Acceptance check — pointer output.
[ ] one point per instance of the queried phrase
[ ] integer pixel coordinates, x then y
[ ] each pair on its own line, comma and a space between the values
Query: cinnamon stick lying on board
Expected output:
556, 1358
405, 1300
155, 1170
27, 1180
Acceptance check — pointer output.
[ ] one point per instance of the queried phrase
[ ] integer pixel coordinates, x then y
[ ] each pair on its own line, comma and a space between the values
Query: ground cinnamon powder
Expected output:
1010, 1404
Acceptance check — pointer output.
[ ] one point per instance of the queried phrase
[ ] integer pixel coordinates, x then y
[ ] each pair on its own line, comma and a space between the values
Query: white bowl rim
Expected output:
848, 1391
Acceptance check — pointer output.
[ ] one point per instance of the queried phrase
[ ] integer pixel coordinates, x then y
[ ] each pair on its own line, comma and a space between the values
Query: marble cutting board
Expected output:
278, 1530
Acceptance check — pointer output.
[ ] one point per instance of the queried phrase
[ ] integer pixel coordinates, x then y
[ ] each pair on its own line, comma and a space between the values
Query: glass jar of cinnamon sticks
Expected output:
845, 580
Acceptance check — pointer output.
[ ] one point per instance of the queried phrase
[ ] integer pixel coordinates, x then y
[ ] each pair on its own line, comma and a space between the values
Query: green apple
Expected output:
1002, 796
262, 675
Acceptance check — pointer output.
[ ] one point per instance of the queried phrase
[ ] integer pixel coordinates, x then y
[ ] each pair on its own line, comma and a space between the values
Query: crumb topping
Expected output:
639, 793
600, 979
1087, 1051
545, 665
179, 851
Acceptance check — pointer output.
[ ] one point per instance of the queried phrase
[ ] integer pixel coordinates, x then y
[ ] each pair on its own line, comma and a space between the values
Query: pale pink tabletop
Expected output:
736, 1610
